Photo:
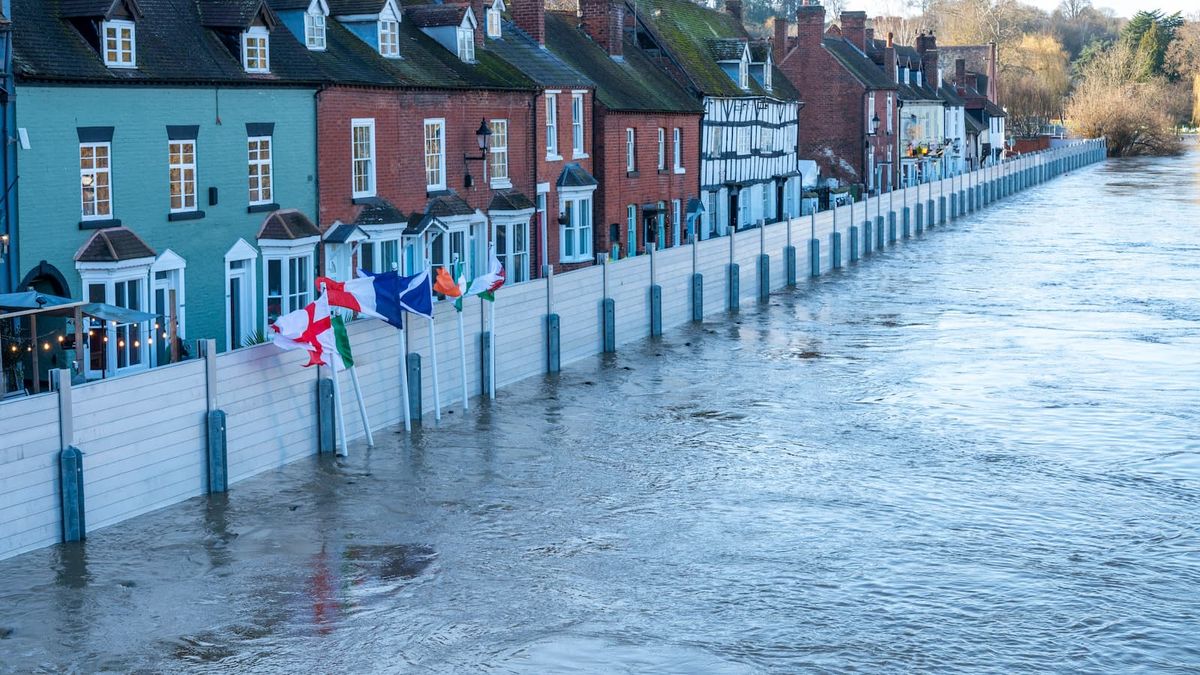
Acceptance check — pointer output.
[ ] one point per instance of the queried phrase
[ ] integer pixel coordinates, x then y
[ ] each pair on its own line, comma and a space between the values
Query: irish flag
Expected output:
486, 284
315, 330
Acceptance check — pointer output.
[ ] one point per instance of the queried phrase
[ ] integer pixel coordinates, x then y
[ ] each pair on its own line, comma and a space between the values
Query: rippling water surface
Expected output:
979, 451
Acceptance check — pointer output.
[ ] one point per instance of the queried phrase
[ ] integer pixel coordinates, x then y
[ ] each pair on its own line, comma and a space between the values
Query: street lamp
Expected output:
481, 137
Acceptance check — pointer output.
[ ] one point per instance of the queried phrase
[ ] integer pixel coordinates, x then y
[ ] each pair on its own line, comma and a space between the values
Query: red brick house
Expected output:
648, 126
402, 179
562, 131
849, 116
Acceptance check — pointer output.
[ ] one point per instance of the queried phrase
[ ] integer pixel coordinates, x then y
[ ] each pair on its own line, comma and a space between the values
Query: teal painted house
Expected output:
167, 164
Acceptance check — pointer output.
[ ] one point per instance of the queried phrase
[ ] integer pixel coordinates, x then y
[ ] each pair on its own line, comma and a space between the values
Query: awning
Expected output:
107, 312
31, 300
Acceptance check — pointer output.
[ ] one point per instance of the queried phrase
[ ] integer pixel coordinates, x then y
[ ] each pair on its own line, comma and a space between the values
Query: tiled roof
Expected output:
378, 211
91, 8
340, 233
857, 64
424, 63
113, 244
355, 7
684, 29
541, 65
993, 109
237, 14
574, 175
172, 46
634, 83
509, 200
429, 16
948, 95
726, 49
974, 124
278, 5
287, 225
447, 204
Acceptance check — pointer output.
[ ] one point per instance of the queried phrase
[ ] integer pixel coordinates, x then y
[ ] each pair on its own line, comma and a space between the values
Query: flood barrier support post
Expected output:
218, 457
70, 462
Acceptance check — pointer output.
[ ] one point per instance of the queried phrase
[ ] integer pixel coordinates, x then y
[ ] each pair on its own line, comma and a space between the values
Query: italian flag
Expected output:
314, 329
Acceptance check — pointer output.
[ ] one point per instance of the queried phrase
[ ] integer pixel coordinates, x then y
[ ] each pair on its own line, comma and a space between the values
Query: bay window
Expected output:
287, 276
512, 248
576, 237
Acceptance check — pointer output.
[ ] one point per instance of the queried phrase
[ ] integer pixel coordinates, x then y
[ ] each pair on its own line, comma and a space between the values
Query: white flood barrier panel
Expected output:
143, 436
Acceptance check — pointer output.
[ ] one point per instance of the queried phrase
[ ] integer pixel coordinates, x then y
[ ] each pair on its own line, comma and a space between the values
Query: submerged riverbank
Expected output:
980, 455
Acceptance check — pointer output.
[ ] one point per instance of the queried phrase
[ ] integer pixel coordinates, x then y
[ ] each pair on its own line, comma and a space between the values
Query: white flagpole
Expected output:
362, 407
341, 420
437, 397
462, 356
404, 376
492, 355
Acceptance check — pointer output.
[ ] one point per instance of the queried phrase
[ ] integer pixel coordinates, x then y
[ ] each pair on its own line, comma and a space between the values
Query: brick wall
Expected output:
618, 189
399, 144
549, 170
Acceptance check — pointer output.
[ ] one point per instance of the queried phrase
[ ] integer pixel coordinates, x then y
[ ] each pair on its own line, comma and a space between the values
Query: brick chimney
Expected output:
810, 28
870, 33
927, 48
889, 59
603, 20
530, 16
734, 7
854, 29
960, 72
779, 45
479, 8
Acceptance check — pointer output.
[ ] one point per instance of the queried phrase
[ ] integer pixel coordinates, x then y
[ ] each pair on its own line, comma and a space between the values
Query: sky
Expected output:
1124, 8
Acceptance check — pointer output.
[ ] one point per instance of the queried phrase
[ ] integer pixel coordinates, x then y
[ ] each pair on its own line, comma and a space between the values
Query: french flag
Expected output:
383, 296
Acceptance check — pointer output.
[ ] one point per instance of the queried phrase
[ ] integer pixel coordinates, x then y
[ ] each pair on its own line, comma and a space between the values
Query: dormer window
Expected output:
466, 45
314, 27
119, 44
744, 73
767, 74
389, 37
493, 19
256, 51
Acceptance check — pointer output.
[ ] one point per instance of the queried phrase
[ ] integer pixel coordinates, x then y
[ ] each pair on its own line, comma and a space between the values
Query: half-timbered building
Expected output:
749, 133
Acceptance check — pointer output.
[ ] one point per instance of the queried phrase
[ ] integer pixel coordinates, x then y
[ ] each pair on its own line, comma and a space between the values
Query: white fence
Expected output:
144, 436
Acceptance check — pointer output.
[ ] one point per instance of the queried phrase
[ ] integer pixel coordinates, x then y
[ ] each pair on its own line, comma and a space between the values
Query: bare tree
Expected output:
1111, 101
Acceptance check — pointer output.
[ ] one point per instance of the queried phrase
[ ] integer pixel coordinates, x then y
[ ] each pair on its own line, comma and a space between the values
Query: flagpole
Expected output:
341, 420
437, 397
492, 354
462, 356
362, 407
404, 376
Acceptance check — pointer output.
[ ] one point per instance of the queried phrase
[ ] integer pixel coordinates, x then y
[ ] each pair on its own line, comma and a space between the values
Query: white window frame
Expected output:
183, 167
115, 50
580, 224
578, 137
314, 26
302, 252
768, 74
514, 260
677, 149
260, 35
388, 30
889, 113
367, 162
630, 150
94, 173
676, 220
552, 126
259, 168
744, 72
466, 44
175, 268
244, 252
439, 124
662, 149
498, 154
492, 21
109, 275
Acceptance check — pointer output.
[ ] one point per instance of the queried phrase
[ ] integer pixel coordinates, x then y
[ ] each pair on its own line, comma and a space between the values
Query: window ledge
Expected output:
99, 224
553, 158
185, 215
501, 184
680, 169
580, 155
632, 174
262, 208
661, 171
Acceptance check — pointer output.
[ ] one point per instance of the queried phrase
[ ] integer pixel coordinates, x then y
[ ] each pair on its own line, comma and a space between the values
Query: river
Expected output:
977, 451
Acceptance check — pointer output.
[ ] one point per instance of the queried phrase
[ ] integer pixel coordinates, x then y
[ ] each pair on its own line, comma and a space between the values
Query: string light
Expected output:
137, 343
61, 338
121, 344
46, 346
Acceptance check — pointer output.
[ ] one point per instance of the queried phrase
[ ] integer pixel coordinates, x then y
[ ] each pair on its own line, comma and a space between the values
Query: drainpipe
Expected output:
10, 272
533, 128
317, 173
865, 135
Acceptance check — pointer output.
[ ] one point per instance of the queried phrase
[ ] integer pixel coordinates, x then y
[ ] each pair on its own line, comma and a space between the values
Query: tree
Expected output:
1033, 88
1113, 100
1072, 10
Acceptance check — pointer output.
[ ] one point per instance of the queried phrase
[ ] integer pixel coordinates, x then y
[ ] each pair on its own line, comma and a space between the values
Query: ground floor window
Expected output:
675, 217
379, 255
241, 308
575, 244
114, 347
660, 238
512, 248
289, 283
631, 230
167, 304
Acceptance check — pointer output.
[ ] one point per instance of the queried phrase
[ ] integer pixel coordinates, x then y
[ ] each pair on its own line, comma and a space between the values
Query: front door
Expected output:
239, 320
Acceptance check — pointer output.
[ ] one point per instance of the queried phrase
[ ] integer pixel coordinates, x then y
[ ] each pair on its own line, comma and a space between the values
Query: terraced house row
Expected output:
204, 160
